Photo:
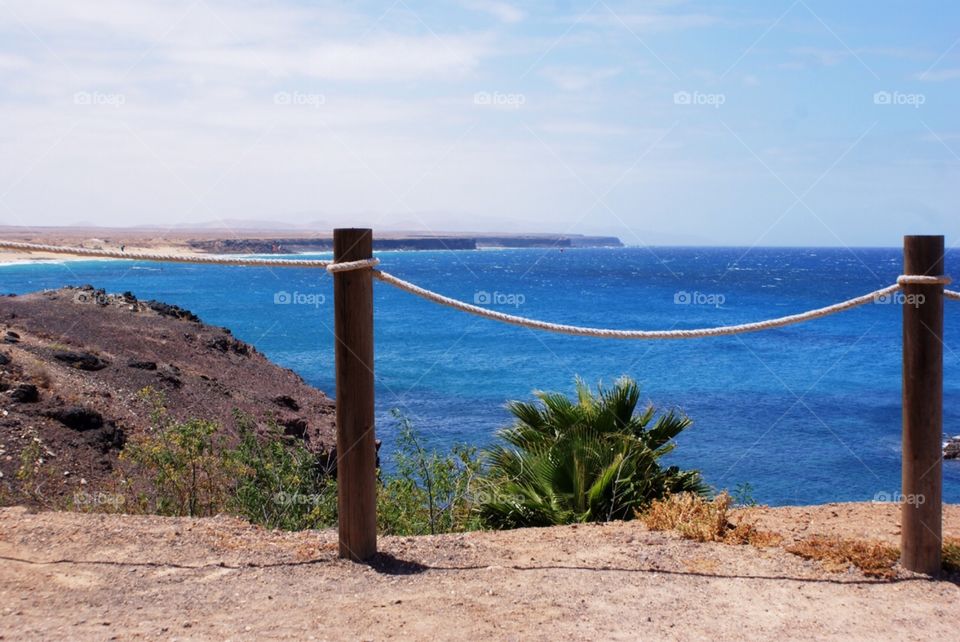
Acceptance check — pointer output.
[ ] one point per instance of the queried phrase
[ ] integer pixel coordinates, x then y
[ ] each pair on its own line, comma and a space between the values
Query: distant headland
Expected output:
292, 244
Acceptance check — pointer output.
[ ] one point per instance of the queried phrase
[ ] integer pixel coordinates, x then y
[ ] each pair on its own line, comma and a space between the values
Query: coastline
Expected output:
14, 257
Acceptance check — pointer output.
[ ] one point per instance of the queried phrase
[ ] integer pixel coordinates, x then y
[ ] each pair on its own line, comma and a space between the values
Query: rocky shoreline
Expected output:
951, 447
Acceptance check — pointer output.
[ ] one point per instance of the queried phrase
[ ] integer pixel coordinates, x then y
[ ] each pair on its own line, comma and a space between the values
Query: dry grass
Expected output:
37, 373
951, 554
875, 559
705, 521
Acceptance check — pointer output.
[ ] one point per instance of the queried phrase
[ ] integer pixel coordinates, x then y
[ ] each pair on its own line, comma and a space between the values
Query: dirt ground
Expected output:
100, 577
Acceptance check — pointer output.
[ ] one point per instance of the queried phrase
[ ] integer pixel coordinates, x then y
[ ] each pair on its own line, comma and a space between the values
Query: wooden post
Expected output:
921, 504
356, 441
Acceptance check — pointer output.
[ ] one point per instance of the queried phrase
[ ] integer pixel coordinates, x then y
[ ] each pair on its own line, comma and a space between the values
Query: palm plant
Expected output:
584, 460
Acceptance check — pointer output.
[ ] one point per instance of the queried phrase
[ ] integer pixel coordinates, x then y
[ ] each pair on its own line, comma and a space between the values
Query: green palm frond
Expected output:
589, 459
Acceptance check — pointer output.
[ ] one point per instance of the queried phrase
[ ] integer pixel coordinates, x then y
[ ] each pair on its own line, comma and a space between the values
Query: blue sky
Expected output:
775, 123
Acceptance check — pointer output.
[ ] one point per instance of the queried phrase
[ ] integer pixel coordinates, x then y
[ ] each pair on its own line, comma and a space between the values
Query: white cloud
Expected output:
384, 59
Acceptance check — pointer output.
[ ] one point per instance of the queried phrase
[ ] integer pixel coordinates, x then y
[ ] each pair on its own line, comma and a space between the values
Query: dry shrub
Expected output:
695, 518
37, 374
951, 554
875, 559
690, 515
745, 531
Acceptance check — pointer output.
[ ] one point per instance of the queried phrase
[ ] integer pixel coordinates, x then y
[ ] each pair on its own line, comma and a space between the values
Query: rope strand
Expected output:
604, 333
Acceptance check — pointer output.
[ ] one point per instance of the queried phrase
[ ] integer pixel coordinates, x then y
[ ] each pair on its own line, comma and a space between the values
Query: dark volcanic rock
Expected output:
80, 360
286, 401
174, 311
11, 337
295, 427
142, 365
108, 438
951, 449
168, 377
4, 359
77, 417
25, 393
226, 344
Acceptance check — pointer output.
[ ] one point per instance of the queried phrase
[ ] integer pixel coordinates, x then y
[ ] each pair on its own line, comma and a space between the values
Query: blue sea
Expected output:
804, 414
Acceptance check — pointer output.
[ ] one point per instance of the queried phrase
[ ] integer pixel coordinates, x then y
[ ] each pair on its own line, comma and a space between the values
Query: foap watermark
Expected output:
492, 495
883, 497
898, 98
683, 297
699, 98
299, 99
900, 298
298, 499
99, 99
498, 99
483, 297
299, 298
97, 498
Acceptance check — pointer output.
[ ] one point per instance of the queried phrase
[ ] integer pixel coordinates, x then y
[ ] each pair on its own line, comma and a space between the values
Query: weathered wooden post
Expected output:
356, 441
922, 471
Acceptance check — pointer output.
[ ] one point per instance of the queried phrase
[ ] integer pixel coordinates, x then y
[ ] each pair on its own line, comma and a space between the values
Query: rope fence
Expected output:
535, 324
354, 269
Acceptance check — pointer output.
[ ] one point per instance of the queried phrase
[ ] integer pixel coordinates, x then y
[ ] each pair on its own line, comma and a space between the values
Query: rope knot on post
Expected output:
347, 266
922, 279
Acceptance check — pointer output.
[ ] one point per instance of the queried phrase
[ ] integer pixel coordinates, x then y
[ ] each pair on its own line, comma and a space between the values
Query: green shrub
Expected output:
181, 462
279, 483
429, 492
583, 460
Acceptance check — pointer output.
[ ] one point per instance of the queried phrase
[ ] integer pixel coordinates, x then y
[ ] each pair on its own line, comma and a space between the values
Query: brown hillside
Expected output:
73, 360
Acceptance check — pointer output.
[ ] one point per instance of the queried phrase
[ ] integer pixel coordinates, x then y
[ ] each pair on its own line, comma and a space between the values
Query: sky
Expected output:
775, 122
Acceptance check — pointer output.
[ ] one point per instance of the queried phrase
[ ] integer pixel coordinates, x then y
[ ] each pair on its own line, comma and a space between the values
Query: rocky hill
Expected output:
72, 362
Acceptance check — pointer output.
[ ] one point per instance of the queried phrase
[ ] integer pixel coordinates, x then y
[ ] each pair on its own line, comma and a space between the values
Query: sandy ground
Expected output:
98, 577
12, 257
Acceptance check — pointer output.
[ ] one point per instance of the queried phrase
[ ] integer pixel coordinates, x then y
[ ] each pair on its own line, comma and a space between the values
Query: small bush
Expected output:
429, 492
690, 515
875, 559
274, 481
278, 483
951, 554
35, 472
37, 373
182, 462
696, 518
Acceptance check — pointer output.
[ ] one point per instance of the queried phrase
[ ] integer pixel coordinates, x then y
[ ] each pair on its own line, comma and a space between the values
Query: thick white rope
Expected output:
923, 279
165, 258
346, 266
950, 294
604, 333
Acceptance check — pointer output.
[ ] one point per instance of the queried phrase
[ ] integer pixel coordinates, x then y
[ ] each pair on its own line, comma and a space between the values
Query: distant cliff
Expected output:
325, 244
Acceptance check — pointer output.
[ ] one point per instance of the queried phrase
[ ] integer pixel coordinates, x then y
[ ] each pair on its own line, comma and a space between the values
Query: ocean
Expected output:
804, 414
